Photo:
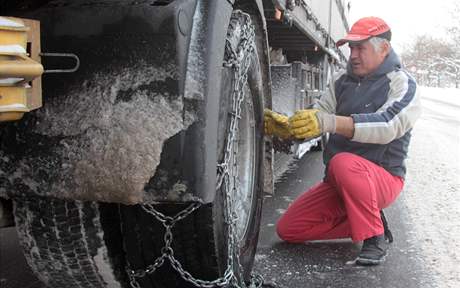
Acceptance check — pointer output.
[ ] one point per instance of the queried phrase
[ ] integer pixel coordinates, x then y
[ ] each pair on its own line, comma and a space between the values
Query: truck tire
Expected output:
66, 245
200, 240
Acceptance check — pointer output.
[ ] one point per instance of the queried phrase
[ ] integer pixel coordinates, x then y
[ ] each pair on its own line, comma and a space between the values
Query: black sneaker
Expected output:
373, 251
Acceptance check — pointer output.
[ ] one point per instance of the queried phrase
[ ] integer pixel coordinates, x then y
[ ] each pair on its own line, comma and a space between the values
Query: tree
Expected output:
432, 61
454, 29
436, 62
454, 32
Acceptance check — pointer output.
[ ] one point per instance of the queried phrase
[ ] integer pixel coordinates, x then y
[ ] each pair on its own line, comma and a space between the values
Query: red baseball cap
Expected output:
366, 28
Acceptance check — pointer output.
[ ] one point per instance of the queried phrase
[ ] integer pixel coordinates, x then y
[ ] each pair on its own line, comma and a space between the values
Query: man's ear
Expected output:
386, 47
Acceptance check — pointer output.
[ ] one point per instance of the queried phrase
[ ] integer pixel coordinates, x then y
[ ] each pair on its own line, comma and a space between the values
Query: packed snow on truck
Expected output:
132, 151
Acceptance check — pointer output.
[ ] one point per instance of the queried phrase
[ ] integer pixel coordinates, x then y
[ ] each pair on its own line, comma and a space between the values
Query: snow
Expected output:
432, 189
109, 144
195, 76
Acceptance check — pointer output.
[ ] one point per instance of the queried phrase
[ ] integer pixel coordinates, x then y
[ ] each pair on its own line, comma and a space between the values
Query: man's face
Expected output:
364, 59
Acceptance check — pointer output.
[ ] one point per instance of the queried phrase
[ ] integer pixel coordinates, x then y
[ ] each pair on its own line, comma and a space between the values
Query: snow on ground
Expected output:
432, 191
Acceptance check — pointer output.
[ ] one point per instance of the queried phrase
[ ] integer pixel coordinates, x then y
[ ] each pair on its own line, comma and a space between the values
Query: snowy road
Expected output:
432, 193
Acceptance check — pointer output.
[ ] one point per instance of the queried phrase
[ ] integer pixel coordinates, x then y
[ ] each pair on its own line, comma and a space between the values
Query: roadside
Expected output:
432, 195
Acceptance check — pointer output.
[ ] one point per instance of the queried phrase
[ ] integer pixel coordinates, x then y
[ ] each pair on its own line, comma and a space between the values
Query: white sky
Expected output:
407, 18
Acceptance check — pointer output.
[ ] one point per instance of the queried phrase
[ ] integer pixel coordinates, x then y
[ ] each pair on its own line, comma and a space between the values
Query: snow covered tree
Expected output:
432, 61
454, 33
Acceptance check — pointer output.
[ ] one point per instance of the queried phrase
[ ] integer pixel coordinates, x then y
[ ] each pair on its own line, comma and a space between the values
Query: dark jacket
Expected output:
384, 107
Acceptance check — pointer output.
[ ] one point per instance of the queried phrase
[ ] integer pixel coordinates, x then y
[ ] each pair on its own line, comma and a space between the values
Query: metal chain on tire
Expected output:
239, 60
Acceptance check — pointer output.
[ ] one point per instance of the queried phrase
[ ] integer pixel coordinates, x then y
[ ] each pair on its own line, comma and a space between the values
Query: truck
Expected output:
132, 151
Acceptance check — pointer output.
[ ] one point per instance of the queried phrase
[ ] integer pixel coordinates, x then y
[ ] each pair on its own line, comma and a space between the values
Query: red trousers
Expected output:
346, 205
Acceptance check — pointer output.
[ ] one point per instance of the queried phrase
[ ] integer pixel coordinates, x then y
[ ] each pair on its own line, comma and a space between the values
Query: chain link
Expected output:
239, 60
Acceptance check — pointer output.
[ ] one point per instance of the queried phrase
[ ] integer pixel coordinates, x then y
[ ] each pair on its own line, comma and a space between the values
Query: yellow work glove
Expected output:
276, 124
311, 123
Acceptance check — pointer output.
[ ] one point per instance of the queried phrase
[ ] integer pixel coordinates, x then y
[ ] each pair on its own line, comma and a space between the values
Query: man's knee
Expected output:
344, 171
284, 231
341, 162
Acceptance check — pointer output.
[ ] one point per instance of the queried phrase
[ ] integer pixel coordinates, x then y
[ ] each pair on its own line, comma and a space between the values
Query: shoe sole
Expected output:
369, 262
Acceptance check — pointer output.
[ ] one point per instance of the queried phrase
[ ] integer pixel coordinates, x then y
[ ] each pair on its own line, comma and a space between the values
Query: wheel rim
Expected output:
246, 145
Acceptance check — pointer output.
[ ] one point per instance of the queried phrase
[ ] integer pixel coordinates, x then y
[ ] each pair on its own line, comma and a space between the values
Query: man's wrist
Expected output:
345, 126
327, 122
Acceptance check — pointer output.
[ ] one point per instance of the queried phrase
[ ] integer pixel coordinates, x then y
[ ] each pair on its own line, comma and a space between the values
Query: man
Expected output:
369, 112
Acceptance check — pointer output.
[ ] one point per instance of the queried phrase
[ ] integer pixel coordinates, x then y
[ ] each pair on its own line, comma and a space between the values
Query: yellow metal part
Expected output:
13, 103
20, 68
14, 35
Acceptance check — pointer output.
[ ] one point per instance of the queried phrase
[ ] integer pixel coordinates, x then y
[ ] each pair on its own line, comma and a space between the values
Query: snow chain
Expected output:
239, 60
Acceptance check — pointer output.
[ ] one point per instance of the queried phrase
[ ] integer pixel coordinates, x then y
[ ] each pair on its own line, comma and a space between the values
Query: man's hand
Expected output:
311, 123
276, 124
